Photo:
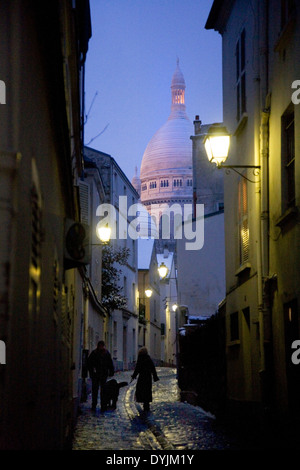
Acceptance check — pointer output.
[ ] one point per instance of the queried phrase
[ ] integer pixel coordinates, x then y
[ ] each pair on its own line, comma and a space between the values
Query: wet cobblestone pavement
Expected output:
170, 424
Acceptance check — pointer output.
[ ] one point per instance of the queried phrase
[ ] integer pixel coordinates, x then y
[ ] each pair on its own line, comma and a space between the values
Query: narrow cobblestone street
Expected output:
170, 424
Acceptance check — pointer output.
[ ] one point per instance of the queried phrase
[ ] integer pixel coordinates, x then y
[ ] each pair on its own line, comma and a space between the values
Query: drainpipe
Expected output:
264, 313
195, 140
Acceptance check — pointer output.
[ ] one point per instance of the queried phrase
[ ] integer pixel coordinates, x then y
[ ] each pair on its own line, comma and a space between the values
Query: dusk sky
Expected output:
130, 63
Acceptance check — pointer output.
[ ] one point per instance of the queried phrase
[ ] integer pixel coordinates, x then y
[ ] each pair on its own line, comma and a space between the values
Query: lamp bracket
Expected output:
255, 168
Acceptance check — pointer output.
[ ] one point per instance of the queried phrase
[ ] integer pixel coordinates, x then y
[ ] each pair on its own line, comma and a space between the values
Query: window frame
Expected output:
288, 174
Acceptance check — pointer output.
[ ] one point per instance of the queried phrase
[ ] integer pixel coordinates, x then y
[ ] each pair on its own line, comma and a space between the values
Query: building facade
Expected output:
150, 330
201, 272
172, 314
261, 44
121, 326
43, 49
95, 317
201, 269
208, 185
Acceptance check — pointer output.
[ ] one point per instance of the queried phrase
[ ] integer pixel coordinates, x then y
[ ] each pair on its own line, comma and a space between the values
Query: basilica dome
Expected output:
170, 148
166, 169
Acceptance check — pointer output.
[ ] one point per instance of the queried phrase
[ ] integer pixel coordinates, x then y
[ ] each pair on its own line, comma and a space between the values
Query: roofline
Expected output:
118, 168
219, 14
206, 216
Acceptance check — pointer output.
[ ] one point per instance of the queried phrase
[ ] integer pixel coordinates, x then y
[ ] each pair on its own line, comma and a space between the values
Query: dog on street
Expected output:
111, 393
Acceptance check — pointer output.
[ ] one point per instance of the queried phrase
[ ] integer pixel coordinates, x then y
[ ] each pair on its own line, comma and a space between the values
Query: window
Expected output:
133, 295
189, 182
152, 184
115, 337
240, 55
288, 159
246, 314
177, 183
178, 96
234, 326
36, 229
164, 183
243, 222
133, 345
144, 187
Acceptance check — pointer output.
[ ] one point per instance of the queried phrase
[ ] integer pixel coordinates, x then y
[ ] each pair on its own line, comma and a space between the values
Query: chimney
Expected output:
197, 125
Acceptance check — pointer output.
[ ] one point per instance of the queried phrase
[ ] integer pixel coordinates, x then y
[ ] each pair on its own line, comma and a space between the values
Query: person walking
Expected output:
100, 366
145, 370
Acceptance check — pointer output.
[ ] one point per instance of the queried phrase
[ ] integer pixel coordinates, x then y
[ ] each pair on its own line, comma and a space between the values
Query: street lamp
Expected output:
174, 307
163, 270
148, 292
217, 142
103, 233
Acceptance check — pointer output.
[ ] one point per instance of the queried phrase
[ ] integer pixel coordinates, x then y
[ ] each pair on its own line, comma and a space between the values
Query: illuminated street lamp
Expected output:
148, 292
174, 307
103, 233
163, 270
217, 142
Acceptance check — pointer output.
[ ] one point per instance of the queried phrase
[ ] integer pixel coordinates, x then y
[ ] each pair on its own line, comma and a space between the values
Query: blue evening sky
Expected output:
130, 63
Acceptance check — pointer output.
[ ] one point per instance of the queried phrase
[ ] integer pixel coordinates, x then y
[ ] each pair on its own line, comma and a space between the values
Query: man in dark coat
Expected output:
145, 369
100, 366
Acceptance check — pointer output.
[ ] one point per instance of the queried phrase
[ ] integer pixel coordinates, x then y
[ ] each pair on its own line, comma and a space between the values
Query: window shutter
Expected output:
84, 198
243, 223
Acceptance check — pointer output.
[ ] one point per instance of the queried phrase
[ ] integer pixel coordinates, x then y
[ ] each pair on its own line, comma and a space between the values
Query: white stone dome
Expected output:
169, 149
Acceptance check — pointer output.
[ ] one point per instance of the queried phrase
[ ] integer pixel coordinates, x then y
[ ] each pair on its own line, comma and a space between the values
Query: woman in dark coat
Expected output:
145, 370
